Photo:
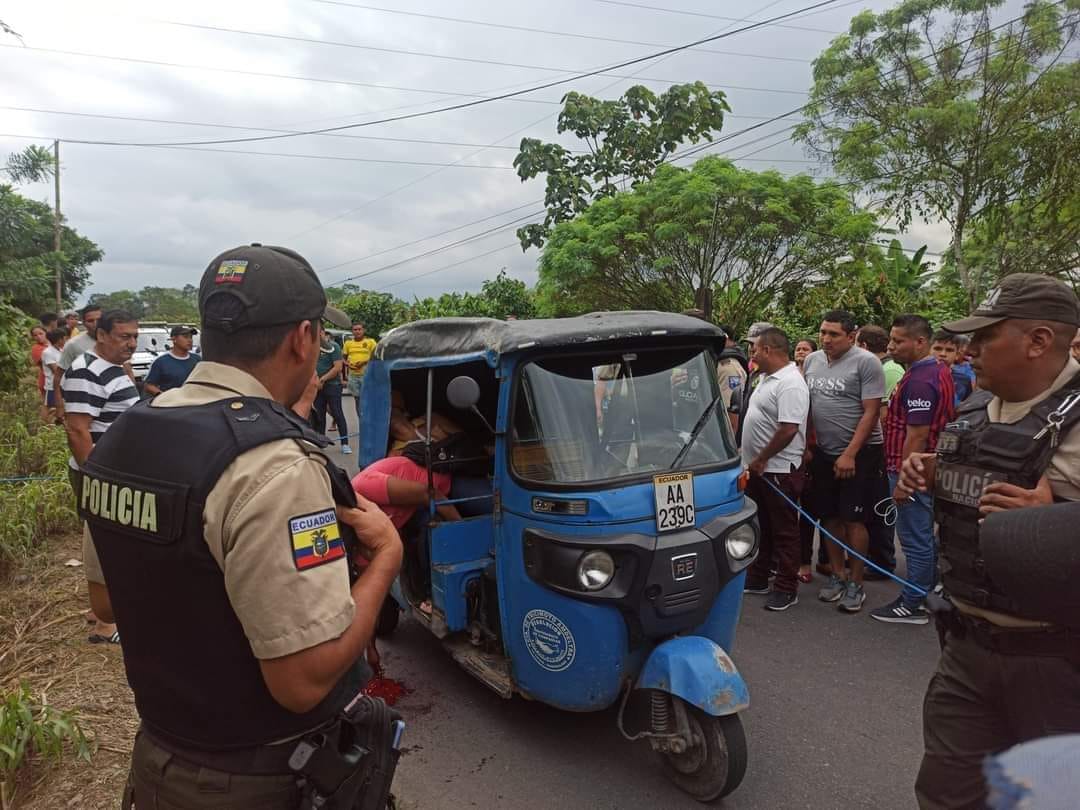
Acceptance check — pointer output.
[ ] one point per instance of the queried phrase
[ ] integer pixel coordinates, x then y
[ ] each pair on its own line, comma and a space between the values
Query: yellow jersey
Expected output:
357, 353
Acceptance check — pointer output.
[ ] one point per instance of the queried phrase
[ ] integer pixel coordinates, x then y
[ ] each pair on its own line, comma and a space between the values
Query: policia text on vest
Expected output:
119, 503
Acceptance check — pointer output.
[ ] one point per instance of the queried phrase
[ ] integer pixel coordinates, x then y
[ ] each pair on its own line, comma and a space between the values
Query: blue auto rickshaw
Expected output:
605, 556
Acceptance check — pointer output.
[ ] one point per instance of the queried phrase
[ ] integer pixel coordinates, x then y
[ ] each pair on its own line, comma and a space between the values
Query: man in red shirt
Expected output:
920, 406
400, 486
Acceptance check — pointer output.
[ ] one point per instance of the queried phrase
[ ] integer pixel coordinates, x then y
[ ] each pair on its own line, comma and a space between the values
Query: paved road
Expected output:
834, 722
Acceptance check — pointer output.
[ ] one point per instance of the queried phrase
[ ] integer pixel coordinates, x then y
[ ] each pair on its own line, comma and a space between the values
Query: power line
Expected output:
418, 180
457, 243
448, 266
440, 249
697, 149
215, 125
477, 102
384, 251
211, 125
452, 58
548, 32
251, 152
473, 154
722, 140
265, 75
710, 16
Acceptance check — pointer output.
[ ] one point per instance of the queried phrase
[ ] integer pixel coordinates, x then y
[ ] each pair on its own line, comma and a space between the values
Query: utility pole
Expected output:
56, 221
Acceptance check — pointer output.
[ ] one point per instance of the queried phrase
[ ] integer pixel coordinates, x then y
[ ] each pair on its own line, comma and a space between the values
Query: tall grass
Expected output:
31, 510
29, 727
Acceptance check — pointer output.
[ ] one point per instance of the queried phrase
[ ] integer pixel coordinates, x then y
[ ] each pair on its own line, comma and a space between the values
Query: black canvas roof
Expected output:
447, 337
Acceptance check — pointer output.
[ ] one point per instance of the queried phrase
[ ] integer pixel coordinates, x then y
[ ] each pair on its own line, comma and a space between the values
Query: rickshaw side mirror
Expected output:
463, 393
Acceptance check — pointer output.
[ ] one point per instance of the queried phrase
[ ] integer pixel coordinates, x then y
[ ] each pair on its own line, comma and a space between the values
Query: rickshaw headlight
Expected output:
595, 570
742, 542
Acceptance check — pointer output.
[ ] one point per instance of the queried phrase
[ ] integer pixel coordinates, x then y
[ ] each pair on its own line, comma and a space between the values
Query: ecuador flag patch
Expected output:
231, 271
315, 539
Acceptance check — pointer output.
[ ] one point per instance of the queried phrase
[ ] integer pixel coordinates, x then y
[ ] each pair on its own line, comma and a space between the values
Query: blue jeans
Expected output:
915, 527
329, 400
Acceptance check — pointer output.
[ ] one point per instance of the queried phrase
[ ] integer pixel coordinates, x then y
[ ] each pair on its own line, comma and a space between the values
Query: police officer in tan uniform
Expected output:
226, 566
1010, 667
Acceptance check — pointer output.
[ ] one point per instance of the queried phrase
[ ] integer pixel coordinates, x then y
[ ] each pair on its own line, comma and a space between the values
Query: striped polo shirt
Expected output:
98, 388
924, 396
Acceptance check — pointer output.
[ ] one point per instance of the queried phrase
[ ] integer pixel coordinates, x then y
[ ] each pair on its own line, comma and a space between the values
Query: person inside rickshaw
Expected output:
398, 483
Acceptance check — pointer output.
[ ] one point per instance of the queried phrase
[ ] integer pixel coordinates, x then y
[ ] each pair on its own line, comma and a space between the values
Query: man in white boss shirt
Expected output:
774, 438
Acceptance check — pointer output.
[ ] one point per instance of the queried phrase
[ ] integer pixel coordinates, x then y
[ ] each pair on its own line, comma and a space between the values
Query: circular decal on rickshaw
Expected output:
550, 642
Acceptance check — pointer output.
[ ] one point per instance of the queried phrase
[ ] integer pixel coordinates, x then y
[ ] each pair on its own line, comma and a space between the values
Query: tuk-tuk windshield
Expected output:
587, 418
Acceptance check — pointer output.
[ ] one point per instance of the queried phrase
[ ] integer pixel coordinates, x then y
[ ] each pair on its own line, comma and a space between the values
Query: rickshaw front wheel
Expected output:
715, 765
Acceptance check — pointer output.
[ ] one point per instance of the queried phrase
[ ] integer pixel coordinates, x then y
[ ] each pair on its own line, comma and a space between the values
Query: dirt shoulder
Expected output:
43, 634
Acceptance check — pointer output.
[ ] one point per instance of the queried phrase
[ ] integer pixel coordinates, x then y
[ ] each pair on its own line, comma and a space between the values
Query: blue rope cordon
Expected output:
825, 532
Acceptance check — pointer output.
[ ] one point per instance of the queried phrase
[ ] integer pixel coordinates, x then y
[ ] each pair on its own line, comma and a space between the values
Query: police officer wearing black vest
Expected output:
1010, 665
223, 543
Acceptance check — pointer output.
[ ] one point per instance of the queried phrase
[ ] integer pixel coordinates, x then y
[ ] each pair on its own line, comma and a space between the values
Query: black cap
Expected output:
183, 330
1028, 296
274, 286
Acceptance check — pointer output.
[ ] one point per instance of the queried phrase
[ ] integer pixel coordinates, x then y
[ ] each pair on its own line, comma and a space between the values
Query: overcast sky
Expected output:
161, 214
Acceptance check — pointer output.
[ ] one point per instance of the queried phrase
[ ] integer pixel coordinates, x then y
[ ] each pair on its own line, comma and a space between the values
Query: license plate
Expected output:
674, 501
962, 484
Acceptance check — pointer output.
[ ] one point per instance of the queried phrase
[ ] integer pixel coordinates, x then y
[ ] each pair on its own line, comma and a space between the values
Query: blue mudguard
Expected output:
698, 671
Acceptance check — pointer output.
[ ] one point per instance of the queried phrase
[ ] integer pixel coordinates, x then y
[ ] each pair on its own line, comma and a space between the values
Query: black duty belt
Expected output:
261, 760
1051, 642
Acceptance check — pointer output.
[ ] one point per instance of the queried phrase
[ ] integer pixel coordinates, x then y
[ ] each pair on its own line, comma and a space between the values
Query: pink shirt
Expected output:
371, 483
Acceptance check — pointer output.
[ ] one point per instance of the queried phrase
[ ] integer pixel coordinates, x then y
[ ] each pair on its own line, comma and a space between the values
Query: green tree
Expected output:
32, 165
875, 285
128, 300
625, 140
377, 311
503, 296
170, 304
742, 236
27, 260
941, 114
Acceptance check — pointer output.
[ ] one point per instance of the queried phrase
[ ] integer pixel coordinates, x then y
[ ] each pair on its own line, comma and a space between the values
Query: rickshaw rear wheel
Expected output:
715, 765
389, 615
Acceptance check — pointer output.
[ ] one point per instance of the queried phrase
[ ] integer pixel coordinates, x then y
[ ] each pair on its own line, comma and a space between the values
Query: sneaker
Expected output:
833, 590
346, 450
761, 589
854, 596
897, 612
778, 600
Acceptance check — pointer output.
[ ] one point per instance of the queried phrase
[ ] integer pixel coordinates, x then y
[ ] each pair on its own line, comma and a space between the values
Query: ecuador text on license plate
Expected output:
674, 501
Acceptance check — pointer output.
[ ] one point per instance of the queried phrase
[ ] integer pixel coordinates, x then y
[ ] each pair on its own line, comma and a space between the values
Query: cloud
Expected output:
161, 214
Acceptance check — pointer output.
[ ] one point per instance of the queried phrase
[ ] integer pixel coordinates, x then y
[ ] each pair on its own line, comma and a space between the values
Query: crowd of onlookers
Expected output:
829, 430
86, 382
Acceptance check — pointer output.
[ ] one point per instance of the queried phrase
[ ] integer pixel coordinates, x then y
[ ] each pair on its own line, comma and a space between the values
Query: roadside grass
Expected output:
66, 714
29, 726
35, 498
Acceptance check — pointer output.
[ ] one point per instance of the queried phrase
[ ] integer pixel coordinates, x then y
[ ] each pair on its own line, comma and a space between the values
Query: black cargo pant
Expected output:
162, 781
981, 702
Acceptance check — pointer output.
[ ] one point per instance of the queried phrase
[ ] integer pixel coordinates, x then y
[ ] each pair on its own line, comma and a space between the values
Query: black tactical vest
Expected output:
197, 683
973, 452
